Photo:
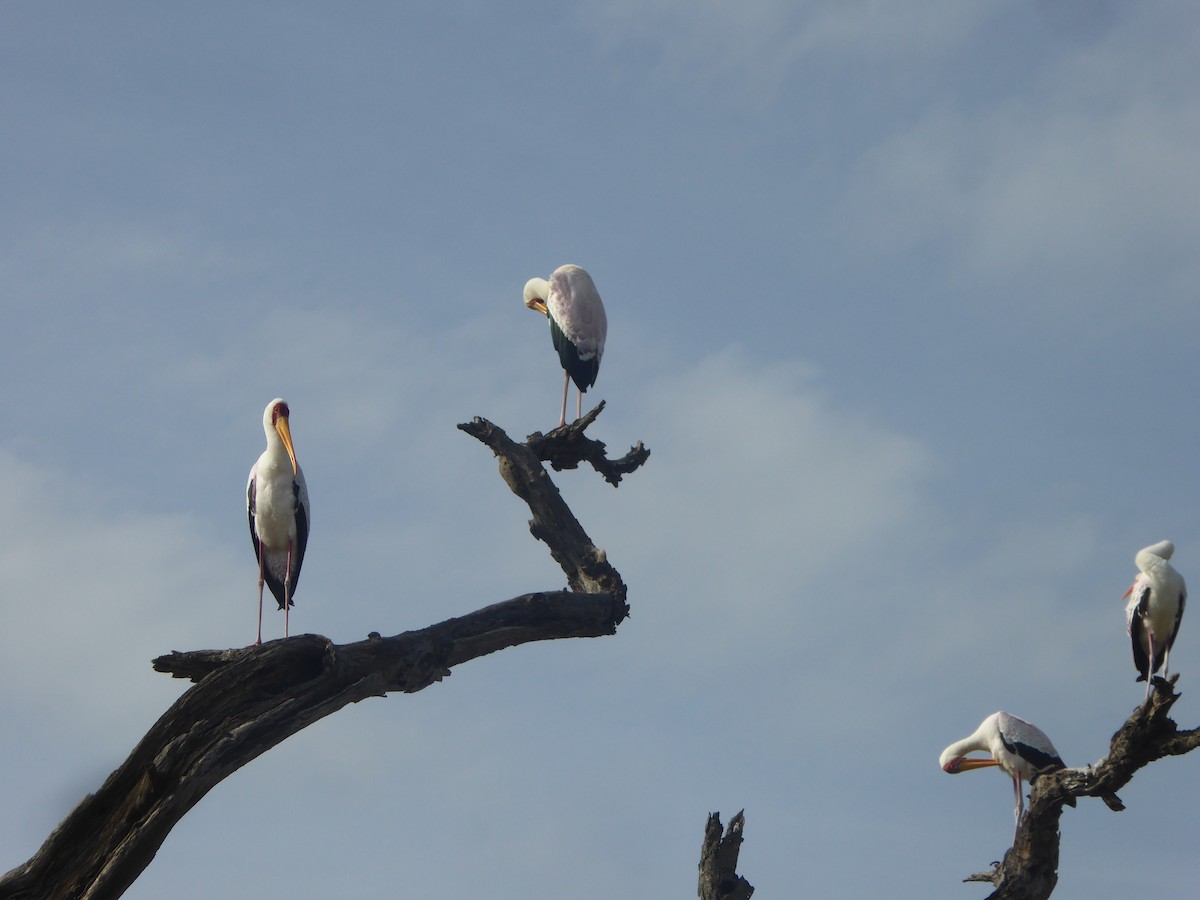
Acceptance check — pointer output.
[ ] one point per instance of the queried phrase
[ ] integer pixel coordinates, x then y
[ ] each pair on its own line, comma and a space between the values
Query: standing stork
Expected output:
1021, 750
578, 326
1155, 609
277, 503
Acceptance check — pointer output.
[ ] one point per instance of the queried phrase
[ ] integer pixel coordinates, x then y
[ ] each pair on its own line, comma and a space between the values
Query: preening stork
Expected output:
277, 503
1021, 750
578, 326
1155, 609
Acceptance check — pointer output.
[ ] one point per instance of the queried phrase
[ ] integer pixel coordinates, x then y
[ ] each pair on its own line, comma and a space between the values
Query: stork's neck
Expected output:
275, 460
536, 289
1157, 569
963, 747
967, 745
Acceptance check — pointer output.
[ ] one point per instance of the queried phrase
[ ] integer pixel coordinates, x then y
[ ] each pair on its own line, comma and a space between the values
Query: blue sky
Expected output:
902, 300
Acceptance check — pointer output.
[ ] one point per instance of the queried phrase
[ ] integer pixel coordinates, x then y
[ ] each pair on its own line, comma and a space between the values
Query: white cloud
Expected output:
761, 480
1048, 197
89, 595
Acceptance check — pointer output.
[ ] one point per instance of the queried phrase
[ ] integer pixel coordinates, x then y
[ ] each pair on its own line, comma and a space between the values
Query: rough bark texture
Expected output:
719, 879
1029, 870
246, 701
567, 447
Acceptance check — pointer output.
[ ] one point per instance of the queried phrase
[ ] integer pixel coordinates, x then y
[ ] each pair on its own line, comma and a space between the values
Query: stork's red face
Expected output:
279, 418
966, 764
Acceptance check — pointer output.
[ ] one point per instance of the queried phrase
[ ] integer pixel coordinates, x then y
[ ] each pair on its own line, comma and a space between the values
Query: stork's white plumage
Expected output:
578, 326
1020, 749
1155, 609
277, 504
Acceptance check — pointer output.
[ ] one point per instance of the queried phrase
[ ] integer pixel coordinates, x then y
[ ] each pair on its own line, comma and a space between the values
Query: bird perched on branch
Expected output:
277, 504
578, 326
1021, 750
1155, 609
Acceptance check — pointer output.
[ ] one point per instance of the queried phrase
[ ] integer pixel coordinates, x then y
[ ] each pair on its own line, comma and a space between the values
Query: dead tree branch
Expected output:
246, 701
1029, 870
719, 879
568, 446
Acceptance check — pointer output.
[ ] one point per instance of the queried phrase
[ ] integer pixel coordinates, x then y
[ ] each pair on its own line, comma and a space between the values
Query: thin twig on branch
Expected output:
1029, 870
719, 879
246, 701
567, 446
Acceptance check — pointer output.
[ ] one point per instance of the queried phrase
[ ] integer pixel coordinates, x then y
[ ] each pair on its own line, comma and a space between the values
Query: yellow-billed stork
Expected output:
1155, 609
277, 504
578, 326
1022, 751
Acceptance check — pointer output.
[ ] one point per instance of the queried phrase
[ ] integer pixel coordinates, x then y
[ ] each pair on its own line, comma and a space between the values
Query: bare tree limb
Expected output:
246, 701
719, 879
1029, 870
553, 522
566, 447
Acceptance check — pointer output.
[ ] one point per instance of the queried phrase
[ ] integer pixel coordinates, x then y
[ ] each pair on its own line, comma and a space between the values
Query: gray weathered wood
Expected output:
1029, 870
246, 701
719, 879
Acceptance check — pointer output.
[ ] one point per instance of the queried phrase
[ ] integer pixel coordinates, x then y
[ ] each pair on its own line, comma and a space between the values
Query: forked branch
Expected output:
246, 701
1029, 870
568, 446
719, 879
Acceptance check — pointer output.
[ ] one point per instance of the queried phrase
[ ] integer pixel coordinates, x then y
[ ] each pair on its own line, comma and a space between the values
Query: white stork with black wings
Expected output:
277, 504
1021, 750
1155, 609
578, 326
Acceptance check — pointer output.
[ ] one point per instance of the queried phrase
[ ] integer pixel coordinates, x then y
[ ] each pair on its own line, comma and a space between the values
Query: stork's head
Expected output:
275, 421
952, 762
536, 291
1163, 550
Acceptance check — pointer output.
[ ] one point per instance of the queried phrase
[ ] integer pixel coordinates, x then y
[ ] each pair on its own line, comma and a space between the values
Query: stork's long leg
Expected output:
1150, 665
287, 589
562, 418
261, 551
579, 406
1020, 807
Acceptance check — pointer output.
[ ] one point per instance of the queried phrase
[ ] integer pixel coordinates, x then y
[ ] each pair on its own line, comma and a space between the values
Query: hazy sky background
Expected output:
901, 297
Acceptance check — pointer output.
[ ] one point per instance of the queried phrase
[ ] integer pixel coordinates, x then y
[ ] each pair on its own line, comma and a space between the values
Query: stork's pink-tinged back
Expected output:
1157, 598
277, 506
578, 326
